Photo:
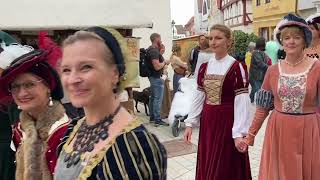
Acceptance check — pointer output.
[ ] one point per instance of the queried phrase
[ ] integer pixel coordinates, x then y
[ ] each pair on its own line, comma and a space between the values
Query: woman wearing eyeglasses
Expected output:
35, 87
8, 112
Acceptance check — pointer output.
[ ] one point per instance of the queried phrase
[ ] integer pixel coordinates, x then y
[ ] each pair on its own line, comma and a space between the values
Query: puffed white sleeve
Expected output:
242, 120
197, 106
198, 99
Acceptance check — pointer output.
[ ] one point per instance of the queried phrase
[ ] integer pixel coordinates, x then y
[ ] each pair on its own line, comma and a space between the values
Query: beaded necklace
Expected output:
87, 137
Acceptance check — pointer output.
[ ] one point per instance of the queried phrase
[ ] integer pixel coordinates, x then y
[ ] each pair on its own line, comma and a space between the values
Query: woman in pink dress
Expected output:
291, 149
221, 105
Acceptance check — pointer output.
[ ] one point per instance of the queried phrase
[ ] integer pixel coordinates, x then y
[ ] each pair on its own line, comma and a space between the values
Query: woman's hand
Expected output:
241, 145
187, 135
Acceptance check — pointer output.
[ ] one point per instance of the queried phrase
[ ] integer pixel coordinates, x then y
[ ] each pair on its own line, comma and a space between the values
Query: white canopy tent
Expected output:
72, 14
143, 16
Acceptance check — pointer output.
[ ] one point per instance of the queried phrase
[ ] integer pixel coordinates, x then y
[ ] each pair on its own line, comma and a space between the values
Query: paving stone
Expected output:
184, 167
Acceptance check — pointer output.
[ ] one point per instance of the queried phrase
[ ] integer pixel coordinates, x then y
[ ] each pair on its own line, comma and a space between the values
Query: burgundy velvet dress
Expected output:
218, 158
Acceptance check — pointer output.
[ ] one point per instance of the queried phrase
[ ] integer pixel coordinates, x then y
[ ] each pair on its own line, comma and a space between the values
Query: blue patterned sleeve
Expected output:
264, 99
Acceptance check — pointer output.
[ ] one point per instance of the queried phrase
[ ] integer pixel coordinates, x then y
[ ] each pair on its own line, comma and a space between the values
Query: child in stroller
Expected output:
181, 104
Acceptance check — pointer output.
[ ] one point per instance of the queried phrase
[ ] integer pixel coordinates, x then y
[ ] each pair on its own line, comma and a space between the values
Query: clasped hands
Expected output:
241, 144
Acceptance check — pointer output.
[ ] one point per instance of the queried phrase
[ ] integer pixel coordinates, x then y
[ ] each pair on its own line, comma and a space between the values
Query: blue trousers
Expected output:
155, 101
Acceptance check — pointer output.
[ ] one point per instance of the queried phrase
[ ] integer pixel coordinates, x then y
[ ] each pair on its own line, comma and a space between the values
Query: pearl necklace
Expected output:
294, 64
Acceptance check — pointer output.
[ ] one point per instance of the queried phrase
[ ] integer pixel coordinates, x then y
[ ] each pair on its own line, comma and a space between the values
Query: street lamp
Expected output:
172, 24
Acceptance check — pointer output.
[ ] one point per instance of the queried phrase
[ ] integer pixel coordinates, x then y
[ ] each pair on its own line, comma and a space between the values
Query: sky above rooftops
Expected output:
182, 11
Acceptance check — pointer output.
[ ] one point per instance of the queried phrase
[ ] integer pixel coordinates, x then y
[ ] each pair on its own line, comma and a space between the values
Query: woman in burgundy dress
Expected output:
221, 105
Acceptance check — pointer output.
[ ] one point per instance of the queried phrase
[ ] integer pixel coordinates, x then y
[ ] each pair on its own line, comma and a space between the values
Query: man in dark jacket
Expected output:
258, 67
193, 59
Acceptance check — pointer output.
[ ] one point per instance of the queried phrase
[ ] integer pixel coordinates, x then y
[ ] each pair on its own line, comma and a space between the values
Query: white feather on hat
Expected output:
11, 52
312, 16
277, 30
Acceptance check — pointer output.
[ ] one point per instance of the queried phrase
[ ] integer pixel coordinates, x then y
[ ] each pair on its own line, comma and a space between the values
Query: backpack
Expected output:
144, 69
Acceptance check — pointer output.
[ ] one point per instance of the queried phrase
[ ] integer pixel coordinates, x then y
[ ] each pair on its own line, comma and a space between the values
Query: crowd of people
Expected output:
39, 139
288, 89
49, 145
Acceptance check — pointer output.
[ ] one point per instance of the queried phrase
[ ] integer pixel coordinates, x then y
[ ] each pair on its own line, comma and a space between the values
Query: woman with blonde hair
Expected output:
221, 106
108, 143
290, 90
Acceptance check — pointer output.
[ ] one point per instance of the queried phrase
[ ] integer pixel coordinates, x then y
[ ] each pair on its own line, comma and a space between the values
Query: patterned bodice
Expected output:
221, 89
313, 52
313, 55
292, 90
213, 87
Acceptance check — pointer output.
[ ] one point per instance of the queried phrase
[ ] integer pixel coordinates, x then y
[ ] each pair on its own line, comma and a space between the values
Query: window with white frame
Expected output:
205, 10
227, 13
233, 11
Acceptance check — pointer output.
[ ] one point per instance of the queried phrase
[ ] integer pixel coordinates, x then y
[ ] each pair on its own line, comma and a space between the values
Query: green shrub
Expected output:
240, 44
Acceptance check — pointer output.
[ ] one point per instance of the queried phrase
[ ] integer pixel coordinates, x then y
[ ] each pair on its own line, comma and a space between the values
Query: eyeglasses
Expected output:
15, 88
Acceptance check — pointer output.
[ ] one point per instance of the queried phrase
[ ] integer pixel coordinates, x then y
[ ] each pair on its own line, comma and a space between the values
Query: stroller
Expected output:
181, 104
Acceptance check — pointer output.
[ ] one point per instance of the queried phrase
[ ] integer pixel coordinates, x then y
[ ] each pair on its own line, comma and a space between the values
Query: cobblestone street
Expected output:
183, 167
77, 79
